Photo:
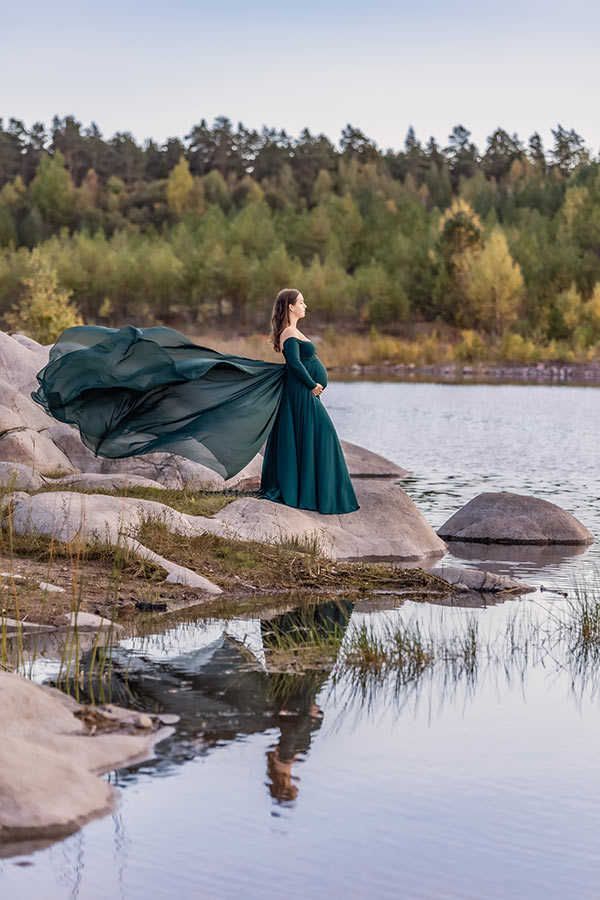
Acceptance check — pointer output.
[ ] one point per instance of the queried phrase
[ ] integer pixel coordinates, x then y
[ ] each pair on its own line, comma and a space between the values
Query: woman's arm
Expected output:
291, 352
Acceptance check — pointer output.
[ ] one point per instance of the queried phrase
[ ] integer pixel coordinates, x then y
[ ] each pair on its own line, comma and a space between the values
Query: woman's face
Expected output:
299, 307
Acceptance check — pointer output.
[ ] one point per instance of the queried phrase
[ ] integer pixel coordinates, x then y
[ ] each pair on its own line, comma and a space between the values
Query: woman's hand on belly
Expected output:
318, 390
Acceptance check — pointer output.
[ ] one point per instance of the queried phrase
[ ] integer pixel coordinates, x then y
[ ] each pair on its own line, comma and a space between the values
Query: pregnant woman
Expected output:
304, 465
133, 390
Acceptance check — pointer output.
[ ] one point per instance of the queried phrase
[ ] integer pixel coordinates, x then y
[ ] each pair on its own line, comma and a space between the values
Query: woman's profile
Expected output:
132, 391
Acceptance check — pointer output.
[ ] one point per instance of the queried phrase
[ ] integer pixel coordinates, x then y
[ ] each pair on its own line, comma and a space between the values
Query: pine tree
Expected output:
53, 191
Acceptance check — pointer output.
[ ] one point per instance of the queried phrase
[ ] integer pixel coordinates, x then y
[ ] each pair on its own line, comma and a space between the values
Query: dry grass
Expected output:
255, 566
194, 502
337, 349
425, 344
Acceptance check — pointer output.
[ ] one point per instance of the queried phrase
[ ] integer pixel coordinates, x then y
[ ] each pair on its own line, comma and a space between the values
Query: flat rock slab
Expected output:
477, 580
70, 516
507, 518
91, 622
176, 574
388, 525
49, 762
73, 517
18, 625
90, 481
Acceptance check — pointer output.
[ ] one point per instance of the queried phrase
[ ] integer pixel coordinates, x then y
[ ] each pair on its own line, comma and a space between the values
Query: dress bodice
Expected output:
308, 359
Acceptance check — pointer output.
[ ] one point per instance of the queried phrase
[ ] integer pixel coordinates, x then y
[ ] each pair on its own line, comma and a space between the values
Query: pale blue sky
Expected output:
155, 69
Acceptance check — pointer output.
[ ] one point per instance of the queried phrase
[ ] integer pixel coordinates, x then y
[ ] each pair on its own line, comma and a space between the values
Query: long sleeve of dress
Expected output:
291, 352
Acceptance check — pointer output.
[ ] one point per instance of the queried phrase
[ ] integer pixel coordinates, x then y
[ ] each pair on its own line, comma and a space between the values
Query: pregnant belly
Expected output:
317, 370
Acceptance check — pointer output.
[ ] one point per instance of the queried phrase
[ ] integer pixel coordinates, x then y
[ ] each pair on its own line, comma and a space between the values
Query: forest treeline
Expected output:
500, 246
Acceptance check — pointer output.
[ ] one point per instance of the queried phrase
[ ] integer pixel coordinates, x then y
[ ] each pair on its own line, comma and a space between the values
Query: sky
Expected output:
155, 69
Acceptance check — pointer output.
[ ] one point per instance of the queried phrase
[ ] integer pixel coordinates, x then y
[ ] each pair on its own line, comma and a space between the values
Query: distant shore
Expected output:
385, 357
538, 373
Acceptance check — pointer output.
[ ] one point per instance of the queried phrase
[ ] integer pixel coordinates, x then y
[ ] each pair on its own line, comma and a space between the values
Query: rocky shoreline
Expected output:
518, 373
51, 754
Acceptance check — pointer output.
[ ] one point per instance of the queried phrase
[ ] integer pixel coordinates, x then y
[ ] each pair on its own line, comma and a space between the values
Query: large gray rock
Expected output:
49, 763
19, 477
35, 449
388, 525
364, 463
67, 439
35, 347
19, 364
10, 420
72, 517
507, 518
31, 415
175, 472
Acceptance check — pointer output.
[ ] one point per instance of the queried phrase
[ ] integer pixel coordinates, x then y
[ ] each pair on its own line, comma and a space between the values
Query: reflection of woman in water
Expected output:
296, 730
220, 691
294, 695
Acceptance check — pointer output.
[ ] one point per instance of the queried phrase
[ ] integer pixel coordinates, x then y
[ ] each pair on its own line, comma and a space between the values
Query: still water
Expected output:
451, 785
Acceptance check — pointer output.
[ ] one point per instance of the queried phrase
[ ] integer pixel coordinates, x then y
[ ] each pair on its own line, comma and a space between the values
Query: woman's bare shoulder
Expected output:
287, 332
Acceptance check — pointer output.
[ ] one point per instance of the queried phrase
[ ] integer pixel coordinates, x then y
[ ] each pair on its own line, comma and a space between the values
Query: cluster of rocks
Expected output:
35, 450
30, 437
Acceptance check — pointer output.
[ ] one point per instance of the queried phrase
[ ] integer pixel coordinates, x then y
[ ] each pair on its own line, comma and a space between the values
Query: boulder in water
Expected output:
507, 518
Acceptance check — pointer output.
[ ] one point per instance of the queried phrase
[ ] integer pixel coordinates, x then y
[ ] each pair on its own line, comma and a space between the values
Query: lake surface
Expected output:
478, 783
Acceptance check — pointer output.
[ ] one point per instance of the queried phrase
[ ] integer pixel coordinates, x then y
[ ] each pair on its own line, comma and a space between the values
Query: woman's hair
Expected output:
281, 314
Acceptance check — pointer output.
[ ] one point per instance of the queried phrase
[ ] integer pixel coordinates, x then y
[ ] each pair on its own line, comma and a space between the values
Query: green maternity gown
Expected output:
141, 390
304, 465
